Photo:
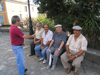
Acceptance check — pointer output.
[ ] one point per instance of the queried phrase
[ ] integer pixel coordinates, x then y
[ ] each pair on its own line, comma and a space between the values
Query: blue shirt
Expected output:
59, 38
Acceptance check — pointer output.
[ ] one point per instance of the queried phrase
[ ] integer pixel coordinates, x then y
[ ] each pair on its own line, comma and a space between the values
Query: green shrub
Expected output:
44, 20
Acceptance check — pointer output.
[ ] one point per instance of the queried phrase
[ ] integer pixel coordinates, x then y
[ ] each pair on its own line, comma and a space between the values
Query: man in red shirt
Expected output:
17, 42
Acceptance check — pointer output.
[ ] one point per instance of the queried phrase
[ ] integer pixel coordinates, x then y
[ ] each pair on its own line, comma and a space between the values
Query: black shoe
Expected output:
25, 70
31, 54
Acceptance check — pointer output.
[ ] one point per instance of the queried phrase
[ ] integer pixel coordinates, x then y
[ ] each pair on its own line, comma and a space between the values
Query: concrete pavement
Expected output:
8, 64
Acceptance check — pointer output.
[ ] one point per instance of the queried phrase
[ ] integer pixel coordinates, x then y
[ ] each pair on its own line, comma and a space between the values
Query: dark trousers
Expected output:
32, 46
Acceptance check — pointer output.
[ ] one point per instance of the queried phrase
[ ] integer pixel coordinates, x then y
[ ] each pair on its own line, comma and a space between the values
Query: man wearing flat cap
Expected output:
56, 45
75, 50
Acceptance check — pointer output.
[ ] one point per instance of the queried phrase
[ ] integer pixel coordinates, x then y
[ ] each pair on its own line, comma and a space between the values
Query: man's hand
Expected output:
72, 57
35, 42
33, 35
56, 52
42, 48
23, 44
68, 54
47, 49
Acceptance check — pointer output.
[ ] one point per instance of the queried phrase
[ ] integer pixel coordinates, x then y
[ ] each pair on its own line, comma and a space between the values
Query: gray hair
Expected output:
14, 19
39, 24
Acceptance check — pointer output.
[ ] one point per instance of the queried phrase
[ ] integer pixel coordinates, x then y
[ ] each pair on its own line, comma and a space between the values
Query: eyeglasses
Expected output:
38, 26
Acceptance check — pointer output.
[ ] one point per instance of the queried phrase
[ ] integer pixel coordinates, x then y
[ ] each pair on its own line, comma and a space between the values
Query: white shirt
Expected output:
76, 45
47, 37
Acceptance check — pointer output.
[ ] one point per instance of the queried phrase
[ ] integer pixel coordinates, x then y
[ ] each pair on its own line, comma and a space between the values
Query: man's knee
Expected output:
36, 48
76, 64
47, 52
56, 55
61, 57
43, 52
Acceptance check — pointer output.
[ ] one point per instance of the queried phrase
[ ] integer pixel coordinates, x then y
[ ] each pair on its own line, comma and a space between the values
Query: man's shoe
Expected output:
31, 54
44, 61
53, 67
48, 67
68, 69
25, 70
76, 73
37, 56
41, 59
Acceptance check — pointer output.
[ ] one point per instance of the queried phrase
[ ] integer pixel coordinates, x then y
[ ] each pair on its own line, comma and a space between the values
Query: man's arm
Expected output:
41, 42
67, 50
34, 38
28, 36
35, 42
50, 44
47, 44
61, 45
77, 55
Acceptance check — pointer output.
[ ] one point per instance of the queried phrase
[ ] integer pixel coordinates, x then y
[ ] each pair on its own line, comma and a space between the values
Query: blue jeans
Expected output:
41, 53
18, 51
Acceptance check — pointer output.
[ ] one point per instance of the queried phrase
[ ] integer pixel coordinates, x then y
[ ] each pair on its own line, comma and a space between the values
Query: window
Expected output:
33, 9
12, 7
20, 8
25, 8
1, 19
1, 7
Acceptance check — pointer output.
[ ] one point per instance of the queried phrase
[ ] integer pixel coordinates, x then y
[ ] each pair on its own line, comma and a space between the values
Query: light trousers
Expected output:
76, 62
55, 57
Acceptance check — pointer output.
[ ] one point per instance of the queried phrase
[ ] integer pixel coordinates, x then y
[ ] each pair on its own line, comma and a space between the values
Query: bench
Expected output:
4, 26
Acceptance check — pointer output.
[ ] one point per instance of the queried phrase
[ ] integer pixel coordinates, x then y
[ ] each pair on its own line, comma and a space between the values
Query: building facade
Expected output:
8, 8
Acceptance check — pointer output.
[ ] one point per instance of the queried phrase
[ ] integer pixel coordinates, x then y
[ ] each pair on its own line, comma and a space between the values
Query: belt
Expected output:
37, 39
19, 45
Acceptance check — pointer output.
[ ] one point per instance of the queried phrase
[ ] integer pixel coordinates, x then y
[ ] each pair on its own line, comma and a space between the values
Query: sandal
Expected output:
76, 73
68, 69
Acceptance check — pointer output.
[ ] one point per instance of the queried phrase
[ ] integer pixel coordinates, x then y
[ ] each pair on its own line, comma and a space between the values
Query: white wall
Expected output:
19, 8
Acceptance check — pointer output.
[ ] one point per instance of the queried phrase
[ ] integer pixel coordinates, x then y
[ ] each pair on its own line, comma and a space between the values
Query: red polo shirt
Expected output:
16, 36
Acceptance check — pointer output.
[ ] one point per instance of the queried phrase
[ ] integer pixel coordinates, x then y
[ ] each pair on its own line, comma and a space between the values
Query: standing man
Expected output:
17, 42
75, 50
56, 45
37, 38
45, 41
0, 25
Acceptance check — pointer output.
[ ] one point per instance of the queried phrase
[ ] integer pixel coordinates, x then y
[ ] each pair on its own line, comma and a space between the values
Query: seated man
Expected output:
37, 38
75, 50
56, 45
45, 41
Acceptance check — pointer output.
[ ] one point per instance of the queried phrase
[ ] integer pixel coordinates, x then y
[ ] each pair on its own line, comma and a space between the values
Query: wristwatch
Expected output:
58, 49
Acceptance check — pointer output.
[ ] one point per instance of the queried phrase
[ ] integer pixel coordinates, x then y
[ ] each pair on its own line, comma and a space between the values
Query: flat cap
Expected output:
77, 27
58, 25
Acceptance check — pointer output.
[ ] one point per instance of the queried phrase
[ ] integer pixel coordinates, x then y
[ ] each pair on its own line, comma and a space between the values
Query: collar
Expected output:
47, 32
60, 33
